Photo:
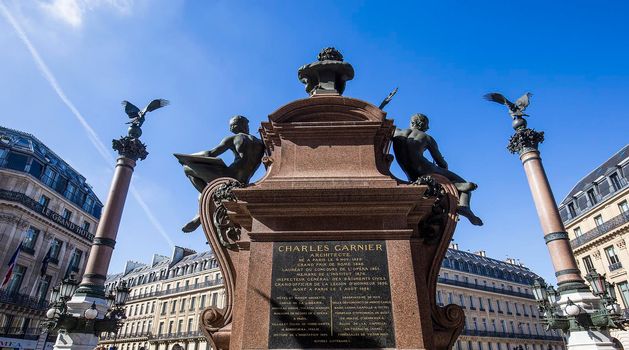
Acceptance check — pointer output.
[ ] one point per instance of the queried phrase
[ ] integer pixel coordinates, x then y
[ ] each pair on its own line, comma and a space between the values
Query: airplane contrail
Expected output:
93, 137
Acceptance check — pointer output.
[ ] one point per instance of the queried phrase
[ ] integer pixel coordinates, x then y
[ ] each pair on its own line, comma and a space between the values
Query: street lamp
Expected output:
553, 296
597, 282
122, 294
539, 290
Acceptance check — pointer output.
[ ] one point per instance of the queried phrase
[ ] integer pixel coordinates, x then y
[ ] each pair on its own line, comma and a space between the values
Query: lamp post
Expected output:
82, 313
582, 315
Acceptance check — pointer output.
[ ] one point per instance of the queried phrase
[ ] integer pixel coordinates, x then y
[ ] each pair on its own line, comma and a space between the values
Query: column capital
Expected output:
130, 147
525, 140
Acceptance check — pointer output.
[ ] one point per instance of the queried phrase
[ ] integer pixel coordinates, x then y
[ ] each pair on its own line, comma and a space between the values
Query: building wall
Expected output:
166, 300
42, 230
596, 217
500, 310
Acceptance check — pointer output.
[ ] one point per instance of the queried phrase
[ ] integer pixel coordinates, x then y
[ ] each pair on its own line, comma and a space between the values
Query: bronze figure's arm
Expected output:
435, 154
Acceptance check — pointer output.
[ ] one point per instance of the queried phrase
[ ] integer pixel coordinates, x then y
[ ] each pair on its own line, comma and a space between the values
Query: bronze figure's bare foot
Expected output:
192, 225
467, 212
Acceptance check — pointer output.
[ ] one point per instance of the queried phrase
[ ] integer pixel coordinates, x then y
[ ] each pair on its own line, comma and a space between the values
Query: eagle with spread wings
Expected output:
516, 110
137, 116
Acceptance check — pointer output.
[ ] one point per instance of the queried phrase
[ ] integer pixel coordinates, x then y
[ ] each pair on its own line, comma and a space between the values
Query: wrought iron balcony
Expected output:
615, 266
600, 230
478, 333
20, 333
195, 286
177, 335
23, 300
132, 335
45, 212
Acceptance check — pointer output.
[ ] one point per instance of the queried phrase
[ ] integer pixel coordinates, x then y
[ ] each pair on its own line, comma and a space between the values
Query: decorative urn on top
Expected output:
327, 75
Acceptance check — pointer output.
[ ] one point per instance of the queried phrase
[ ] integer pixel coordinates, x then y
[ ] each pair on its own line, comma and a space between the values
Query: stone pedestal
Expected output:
329, 250
76, 341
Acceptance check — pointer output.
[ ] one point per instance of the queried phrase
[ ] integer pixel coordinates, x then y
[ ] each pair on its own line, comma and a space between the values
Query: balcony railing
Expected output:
177, 335
600, 230
485, 288
478, 333
44, 211
133, 335
20, 333
22, 300
195, 286
615, 266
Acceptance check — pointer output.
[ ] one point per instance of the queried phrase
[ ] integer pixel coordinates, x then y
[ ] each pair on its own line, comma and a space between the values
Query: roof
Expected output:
24, 142
490, 262
603, 169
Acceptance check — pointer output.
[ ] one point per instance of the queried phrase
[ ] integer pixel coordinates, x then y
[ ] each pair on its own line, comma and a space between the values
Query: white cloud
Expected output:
72, 12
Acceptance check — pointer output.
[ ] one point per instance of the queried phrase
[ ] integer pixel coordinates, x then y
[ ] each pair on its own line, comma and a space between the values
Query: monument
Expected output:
328, 249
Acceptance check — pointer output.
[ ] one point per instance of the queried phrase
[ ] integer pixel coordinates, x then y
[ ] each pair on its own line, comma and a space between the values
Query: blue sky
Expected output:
214, 59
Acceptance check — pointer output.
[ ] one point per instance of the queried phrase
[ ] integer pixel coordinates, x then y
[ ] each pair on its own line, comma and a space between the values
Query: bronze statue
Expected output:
137, 116
516, 110
204, 167
409, 146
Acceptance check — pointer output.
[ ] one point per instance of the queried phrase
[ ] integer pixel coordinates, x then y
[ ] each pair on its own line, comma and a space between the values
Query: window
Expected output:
16, 161
624, 293
214, 299
591, 196
179, 326
75, 263
573, 212
30, 239
67, 214
439, 301
189, 329
623, 206
471, 301
613, 178
55, 249
170, 327
70, 192
182, 306
16, 279
577, 232
202, 302
192, 300
489, 304
173, 306
164, 308
598, 220
613, 259
86, 226
42, 288
587, 262
44, 201
152, 307
49, 177
161, 328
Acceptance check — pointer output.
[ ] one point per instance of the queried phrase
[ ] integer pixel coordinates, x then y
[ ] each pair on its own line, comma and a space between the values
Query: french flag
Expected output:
11, 265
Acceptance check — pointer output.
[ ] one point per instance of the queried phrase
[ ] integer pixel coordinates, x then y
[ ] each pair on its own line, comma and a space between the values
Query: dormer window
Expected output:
613, 178
592, 196
571, 209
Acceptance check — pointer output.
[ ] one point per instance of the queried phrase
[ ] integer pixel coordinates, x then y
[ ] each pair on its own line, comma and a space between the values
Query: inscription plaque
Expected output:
330, 294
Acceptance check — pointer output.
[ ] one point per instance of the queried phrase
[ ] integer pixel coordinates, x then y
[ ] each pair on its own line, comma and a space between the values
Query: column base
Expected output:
590, 340
76, 341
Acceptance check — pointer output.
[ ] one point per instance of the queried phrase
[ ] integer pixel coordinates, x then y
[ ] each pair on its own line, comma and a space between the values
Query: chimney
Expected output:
454, 246
481, 253
131, 265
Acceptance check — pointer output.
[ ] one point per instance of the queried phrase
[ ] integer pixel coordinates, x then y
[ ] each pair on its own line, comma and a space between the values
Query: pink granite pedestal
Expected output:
328, 194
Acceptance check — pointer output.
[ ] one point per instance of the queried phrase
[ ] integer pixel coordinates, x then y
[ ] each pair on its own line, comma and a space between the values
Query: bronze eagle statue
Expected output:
137, 116
516, 110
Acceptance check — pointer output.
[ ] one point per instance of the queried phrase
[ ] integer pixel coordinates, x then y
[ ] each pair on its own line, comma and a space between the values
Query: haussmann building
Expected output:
48, 208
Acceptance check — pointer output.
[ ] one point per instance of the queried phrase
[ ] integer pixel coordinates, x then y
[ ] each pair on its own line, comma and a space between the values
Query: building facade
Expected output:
167, 297
48, 208
500, 310
596, 216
